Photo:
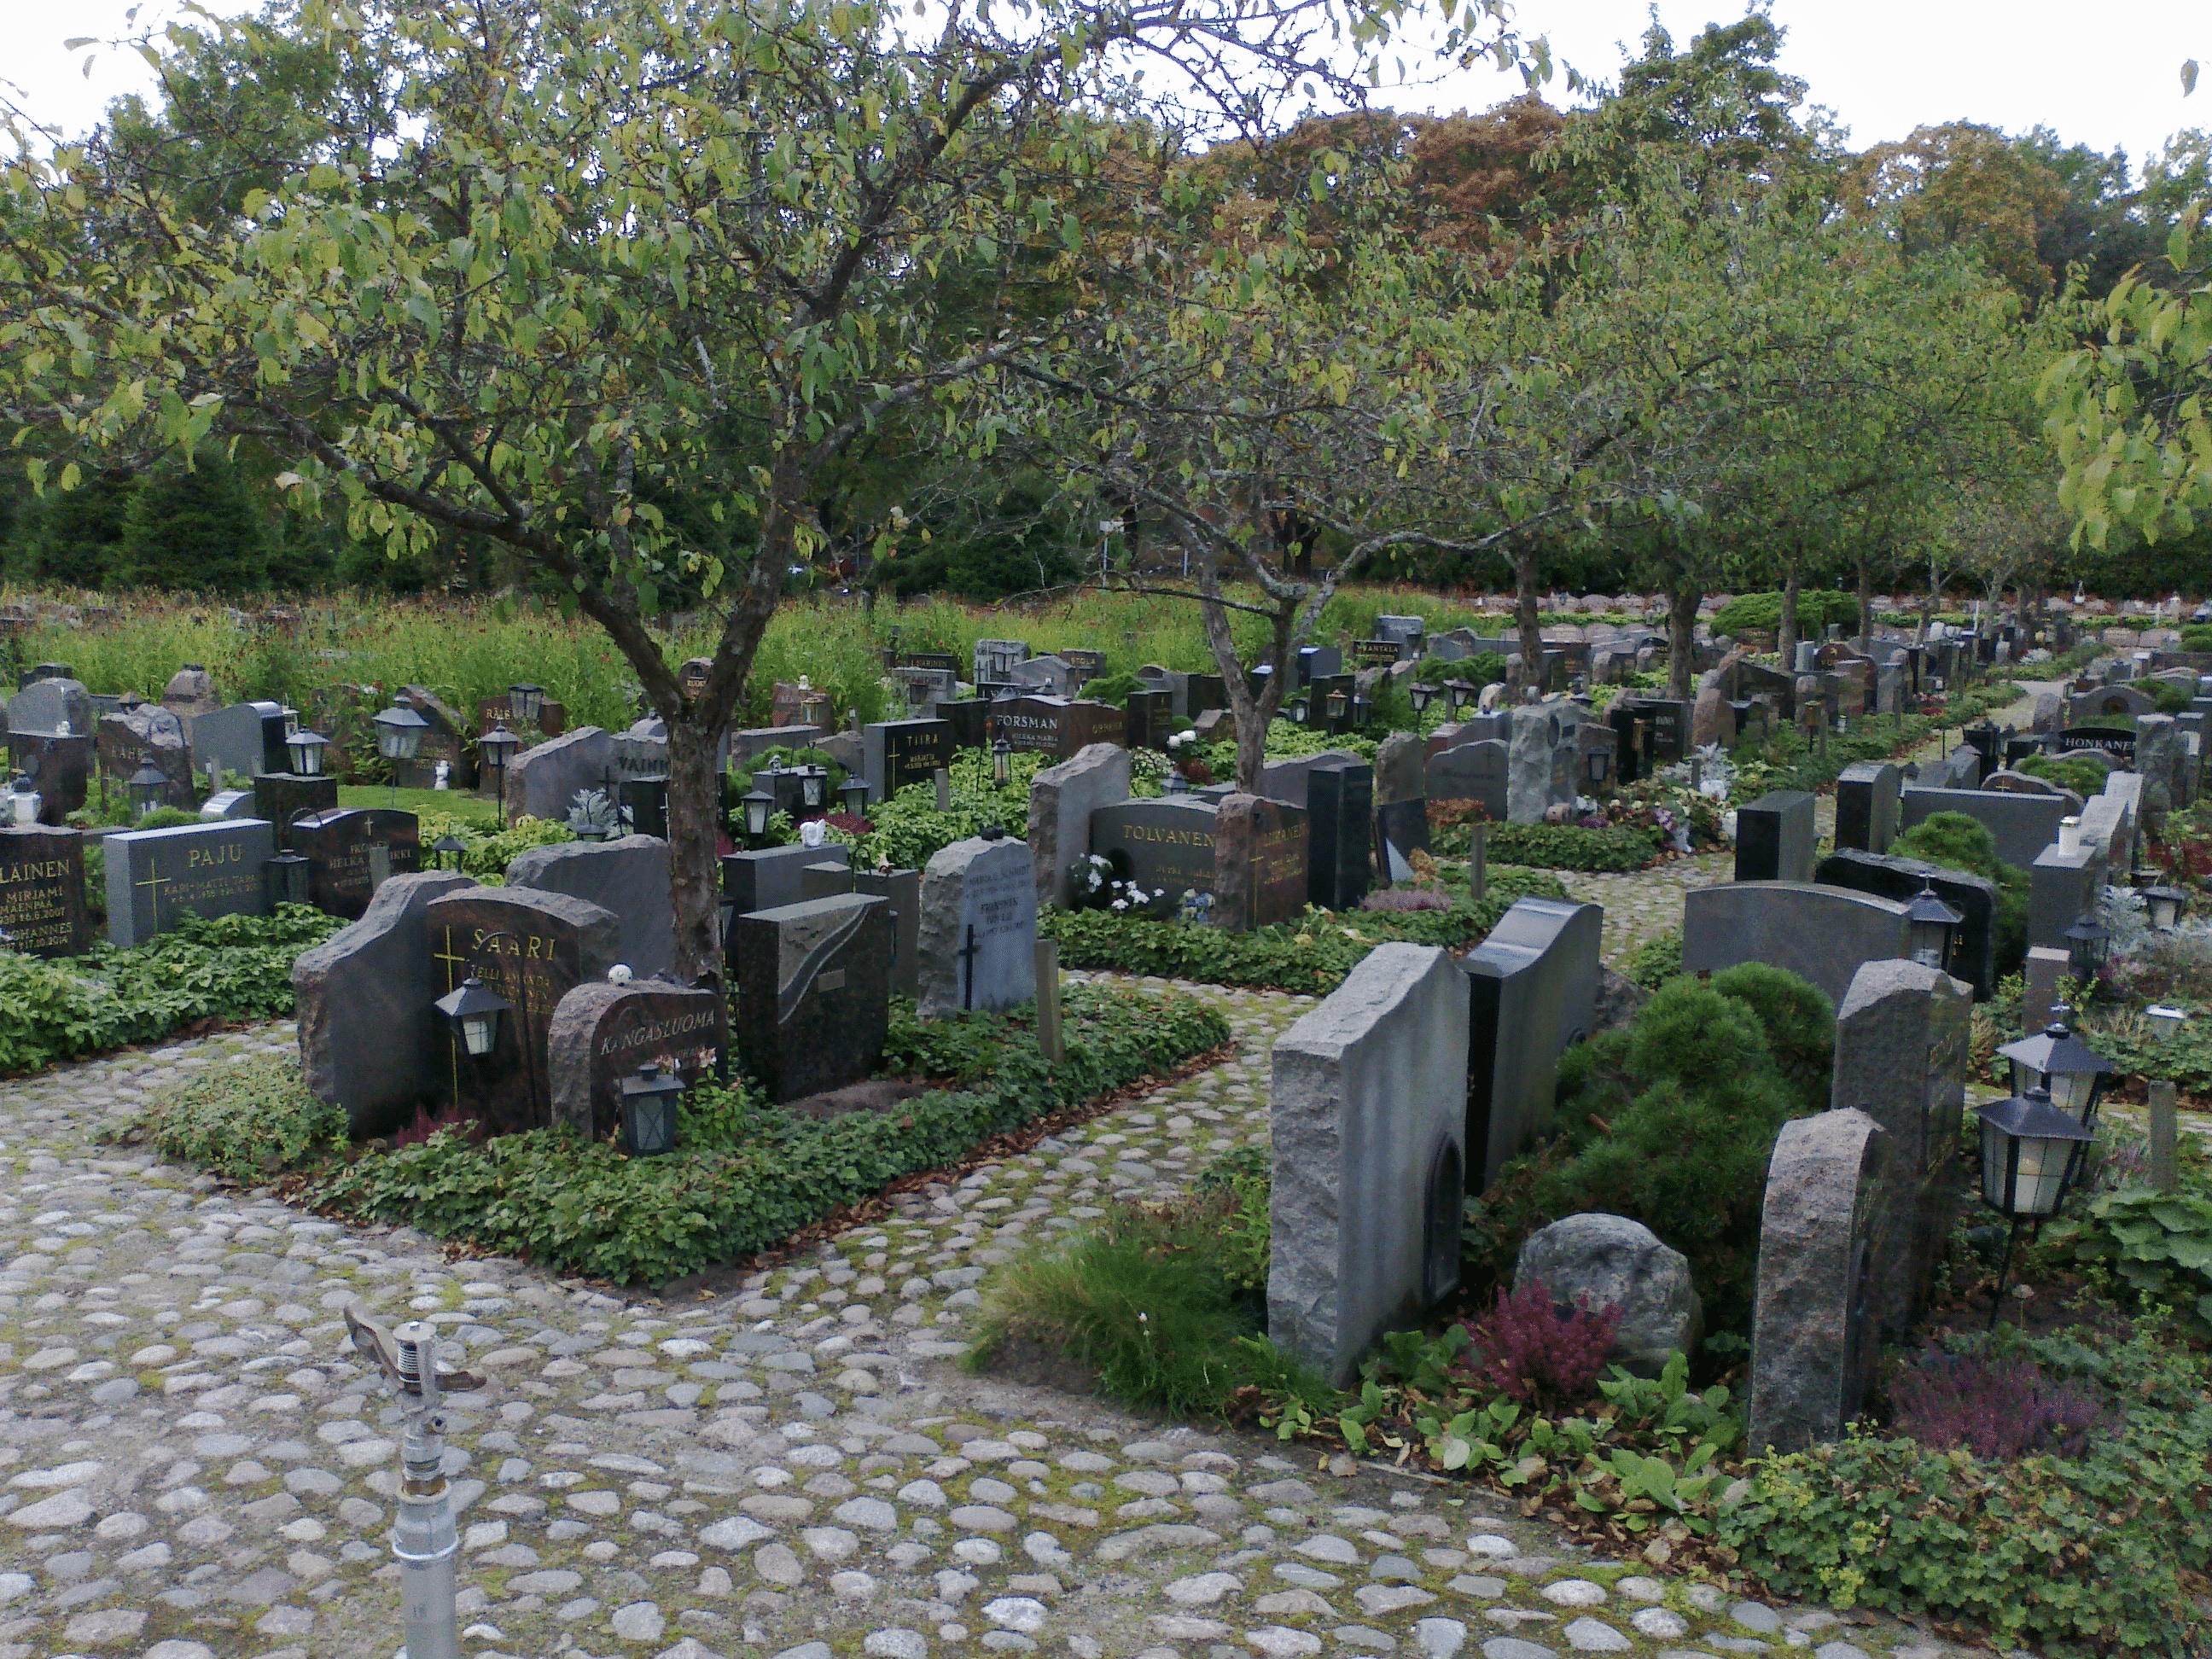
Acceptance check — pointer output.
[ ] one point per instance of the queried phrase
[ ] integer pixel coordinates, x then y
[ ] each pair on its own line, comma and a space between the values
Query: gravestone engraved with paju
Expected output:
157, 877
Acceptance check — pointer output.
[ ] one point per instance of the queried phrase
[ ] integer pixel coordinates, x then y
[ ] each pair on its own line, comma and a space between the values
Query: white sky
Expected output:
2104, 77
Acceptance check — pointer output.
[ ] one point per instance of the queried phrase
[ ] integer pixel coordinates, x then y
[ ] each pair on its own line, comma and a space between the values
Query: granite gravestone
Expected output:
1867, 805
978, 937
1364, 1108
1287, 780
1402, 763
628, 876
1533, 984
446, 742
1062, 800
970, 720
125, 742
993, 660
283, 797
1774, 837
2022, 825
370, 1043
1973, 943
54, 707
59, 770
532, 948
1902, 1035
1472, 771
1260, 849
1031, 725
156, 877
769, 878
1821, 934
42, 900
897, 753
1150, 719
246, 737
1539, 761
1816, 1327
1047, 676
340, 850
1164, 845
602, 1034
1401, 828
542, 780
1375, 653
1340, 819
902, 891
813, 991
2063, 888
191, 690
1401, 630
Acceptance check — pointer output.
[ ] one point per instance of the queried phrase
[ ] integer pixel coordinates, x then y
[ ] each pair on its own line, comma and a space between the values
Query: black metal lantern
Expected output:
2030, 1149
306, 750
1175, 783
1461, 693
758, 804
1598, 765
1421, 694
497, 746
1932, 924
2166, 903
23, 802
473, 1012
524, 701
2087, 942
648, 1111
147, 784
1363, 709
1299, 710
2062, 1067
814, 788
286, 874
399, 732
854, 794
448, 849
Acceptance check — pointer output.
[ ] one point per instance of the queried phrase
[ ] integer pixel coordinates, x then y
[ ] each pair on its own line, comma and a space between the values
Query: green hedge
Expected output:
750, 1175
234, 968
1816, 609
1570, 847
1313, 953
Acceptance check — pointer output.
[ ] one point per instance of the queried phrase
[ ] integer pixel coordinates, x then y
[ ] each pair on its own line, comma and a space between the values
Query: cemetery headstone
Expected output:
1774, 837
601, 1034
902, 891
1364, 1112
1902, 1035
1401, 828
1534, 982
1319, 662
628, 876
2063, 888
1816, 1328
1062, 800
1973, 943
543, 780
1202, 692
1287, 780
52, 706
445, 741
229, 804
283, 797
1153, 677
1540, 760
1260, 850
246, 737
1401, 630
1340, 818
1867, 805
992, 662
191, 690
1164, 845
2039, 976
1400, 767
772, 876
42, 898
1472, 771
59, 768
369, 1041
901, 752
125, 742
532, 948
813, 993
2023, 825
156, 877
2114, 705
1375, 653
1821, 934
1045, 677
824, 878
1084, 666
337, 846
978, 928
1150, 719
970, 720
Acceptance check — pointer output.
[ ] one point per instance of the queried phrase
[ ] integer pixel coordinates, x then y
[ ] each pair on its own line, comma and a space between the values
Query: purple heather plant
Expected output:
1541, 1353
1997, 1408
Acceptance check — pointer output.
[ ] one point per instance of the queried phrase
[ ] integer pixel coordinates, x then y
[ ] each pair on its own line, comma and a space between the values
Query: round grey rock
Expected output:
1608, 1260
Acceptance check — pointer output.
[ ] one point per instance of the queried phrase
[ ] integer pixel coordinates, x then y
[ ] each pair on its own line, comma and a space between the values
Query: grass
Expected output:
479, 815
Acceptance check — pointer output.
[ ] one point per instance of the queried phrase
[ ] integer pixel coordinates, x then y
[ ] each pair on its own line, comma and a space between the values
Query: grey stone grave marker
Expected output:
628, 876
1867, 805
1974, 945
246, 737
339, 847
59, 768
902, 891
123, 742
2023, 825
1047, 676
1401, 828
1260, 849
602, 1034
2063, 888
1287, 780
1821, 934
155, 876
543, 780
1164, 845
1534, 982
1340, 817
1774, 837
978, 928
1472, 771
1063, 800
42, 898
192, 690
772, 876
813, 993
56, 706
1540, 760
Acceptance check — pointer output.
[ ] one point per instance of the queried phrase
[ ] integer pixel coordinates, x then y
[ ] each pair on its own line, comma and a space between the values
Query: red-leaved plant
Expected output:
1998, 1409
426, 1123
1540, 1353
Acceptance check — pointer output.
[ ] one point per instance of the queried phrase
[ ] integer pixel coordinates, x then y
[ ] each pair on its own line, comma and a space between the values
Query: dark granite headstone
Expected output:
1375, 653
1974, 945
148, 732
246, 737
1164, 845
446, 740
1031, 725
1261, 853
1774, 837
1533, 983
1084, 666
628, 876
532, 948
1341, 814
771, 878
901, 752
337, 847
1472, 771
813, 993
1666, 726
902, 890
1202, 692
155, 876
281, 797
59, 768
1150, 720
602, 1034
42, 902
1401, 828
1319, 662
1867, 805
2110, 739
969, 719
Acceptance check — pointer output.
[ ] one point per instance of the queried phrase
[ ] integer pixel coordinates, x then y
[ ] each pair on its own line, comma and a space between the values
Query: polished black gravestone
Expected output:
281, 797
897, 753
1774, 837
902, 890
602, 1034
1867, 805
1340, 812
1150, 720
813, 984
1401, 828
340, 847
42, 902
969, 719
1532, 983
1973, 943
1164, 845
60, 770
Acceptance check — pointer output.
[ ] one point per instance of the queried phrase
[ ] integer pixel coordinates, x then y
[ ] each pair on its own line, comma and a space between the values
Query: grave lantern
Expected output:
1421, 694
1175, 783
399, 732
286, 874
2062, 1065
1598, 763
497, 746
758, 804
306, 750
1002, 762
2164, 1021
473, 1012
146, 786
1933, 925
814, 788
524, 701
1298, 710
1363, 709
648, 1111
854, 794
23, 802
1335, 705
448, 849
1462, 694
2087, 941
2165, 904
2030, 1153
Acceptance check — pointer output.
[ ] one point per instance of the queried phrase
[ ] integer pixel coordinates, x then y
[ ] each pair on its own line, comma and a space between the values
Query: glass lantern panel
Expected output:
2040, 1175
2070, 1090
477, 1031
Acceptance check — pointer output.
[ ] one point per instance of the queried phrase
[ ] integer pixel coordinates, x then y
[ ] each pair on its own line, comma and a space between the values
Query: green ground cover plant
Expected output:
1816, 609
1572, 847
747, 1175
231, 967
2084, 777
248, 1119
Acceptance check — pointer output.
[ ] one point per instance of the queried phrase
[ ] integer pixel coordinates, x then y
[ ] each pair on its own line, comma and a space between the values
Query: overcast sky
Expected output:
2107, 76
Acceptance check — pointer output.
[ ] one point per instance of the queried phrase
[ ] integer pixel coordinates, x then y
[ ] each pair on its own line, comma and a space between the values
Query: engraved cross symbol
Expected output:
449, 957
155, 882
967, 955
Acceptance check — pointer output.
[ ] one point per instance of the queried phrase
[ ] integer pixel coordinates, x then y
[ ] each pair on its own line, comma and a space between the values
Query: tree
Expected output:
528, 270
199, 527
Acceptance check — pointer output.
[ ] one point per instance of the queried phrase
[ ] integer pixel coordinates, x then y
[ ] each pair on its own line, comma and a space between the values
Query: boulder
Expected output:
1400, 760
1619, 1000
1608, 1260
1711, 720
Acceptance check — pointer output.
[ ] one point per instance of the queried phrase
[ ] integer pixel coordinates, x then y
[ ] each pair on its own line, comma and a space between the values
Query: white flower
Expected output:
1121, 904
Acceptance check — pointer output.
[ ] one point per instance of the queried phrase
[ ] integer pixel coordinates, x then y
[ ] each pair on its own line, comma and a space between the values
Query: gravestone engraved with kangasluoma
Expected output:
157, 877
602, 1034
42, 900
813, 983
978, 939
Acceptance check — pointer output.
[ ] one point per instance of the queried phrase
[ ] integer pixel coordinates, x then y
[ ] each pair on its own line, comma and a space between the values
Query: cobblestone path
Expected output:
193, 1465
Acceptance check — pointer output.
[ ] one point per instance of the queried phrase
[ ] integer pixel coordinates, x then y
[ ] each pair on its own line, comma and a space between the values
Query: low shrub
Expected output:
1998, 1407
1541, 1354
1570, 847
1959, 843
582, 1206
2084, 777
2153, 1245
248, 1119
1816, 608
2099, 1554
1656, 961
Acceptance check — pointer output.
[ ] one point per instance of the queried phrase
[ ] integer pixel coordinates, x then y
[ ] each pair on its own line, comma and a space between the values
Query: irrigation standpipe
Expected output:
423, 1538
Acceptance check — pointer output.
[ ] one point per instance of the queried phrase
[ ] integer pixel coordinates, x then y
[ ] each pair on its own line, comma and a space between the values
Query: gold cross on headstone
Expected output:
449, 957
155, 881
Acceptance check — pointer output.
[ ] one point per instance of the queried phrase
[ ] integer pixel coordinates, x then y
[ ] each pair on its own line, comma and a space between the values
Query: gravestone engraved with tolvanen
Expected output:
1164, 845
532, 948
340, 850
602, 1034
42, 892
1262, 850
156, 877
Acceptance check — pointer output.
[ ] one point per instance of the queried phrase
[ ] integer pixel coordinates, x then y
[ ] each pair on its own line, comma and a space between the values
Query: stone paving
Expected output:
193, 1463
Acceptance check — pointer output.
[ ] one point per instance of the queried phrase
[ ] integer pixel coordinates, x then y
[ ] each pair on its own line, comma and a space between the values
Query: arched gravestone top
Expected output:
1815, 1323
978, 937
1819, 934
628, 876
602, 1034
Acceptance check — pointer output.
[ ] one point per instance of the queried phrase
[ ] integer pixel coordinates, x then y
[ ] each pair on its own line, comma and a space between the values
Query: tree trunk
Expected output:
1866, 603
695, 815
1250, 714
1525, 615
1785, 633
1682, 638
